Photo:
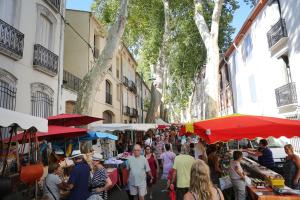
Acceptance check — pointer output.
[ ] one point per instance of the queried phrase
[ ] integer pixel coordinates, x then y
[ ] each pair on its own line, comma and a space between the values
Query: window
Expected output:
108, 98
108, 117
7, 90
247, 47
118, 92
118, 67
41, 100
8, 11
45, 27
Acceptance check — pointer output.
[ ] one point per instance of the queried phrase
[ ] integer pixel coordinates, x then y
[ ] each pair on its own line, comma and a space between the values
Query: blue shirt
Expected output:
80, 177
266, 159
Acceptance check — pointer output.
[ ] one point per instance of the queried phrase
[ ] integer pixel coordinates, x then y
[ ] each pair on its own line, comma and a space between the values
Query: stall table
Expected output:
268, 194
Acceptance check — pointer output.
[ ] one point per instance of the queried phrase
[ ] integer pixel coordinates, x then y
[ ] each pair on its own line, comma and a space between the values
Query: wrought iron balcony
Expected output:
126, 110
96, 52
286, 95
125, 81
44, 60
11, 41
132, 86
55, 4
133, 112
71, 82
277, 32
108, 98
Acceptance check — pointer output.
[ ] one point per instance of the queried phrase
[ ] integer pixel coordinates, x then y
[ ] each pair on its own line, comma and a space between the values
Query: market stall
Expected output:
237, 127
265, 184
19, 179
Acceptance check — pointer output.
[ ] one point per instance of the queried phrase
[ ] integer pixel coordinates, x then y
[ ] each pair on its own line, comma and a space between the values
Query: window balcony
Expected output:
108, 98
71, 82
55, 4
277, 36
11, 41
286, 95
133, 113
44, 60
125, 81
126, 110
132, 86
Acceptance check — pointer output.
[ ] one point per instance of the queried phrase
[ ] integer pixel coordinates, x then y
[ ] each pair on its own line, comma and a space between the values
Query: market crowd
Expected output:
191, 170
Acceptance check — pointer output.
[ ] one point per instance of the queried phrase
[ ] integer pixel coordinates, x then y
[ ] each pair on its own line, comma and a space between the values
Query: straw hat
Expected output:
97, 157
76, 153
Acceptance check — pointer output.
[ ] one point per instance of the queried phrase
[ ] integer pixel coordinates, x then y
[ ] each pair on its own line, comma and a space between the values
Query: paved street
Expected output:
116, 194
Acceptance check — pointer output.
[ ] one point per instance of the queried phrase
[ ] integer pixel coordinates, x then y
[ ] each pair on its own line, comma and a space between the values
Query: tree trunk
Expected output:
210, 39
159, 69
92, 80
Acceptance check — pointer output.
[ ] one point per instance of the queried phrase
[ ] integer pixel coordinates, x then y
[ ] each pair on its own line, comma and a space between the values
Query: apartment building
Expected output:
143, 97
129, 89
260, 68
116, 99
31, 55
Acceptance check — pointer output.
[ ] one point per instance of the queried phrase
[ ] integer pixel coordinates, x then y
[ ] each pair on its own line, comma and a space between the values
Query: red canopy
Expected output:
245, 126
71, 120
53, 132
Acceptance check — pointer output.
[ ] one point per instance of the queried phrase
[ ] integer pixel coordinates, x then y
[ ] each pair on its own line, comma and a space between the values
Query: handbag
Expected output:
225, 182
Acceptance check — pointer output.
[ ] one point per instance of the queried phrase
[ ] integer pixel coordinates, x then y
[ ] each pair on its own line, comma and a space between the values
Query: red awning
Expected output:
245, 126
53, 132
71, 120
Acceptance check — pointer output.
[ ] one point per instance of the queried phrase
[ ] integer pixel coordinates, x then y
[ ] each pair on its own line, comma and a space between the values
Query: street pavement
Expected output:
159, 192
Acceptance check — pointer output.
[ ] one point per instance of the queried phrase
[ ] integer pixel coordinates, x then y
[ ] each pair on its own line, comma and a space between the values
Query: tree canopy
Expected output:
187, 54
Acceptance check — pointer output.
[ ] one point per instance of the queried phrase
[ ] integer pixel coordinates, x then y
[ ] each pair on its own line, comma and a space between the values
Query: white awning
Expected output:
24, 121
159, 121
122, 127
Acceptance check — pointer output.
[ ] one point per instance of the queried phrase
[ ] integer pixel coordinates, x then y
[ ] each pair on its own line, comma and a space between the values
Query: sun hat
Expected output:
76, 153
97, 157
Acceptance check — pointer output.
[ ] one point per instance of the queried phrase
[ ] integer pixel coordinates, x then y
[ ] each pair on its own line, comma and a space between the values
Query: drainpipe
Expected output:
61, 59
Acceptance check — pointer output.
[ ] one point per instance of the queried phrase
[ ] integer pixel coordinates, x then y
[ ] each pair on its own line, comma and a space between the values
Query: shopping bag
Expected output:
225, 182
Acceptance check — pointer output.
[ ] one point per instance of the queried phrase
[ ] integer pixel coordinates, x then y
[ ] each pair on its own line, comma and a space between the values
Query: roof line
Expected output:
246, 26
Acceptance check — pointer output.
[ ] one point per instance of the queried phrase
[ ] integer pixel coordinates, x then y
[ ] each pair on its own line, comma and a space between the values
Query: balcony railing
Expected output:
96, 52
133, 112
71, 82
126, 110
132, 86
55, 4
125, 81
277, 32
108, 98
286, 95
11, 41
45, 60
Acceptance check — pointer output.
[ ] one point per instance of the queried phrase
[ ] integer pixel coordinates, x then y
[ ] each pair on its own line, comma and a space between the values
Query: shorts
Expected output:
138, 190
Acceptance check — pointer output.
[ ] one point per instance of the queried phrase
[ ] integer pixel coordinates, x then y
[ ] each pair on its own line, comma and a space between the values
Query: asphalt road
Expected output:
158, 193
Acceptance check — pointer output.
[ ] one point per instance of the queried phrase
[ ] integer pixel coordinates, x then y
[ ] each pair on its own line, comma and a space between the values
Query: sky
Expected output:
239, 17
